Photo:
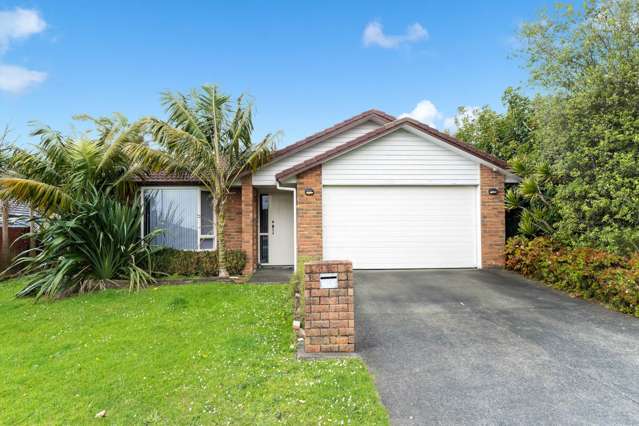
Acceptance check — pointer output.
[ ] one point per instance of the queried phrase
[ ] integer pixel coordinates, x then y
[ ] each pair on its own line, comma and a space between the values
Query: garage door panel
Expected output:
389, 227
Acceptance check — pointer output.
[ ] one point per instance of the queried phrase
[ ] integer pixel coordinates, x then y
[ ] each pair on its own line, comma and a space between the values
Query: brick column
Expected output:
329, 313
493, 218
249, 224
309, 214
233, 225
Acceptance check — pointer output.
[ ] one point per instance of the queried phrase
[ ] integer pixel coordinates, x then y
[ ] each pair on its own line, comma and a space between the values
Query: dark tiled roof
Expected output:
371, 114
167, 178
337, 128
388, 128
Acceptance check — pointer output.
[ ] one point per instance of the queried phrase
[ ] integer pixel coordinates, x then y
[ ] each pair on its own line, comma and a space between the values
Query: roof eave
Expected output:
482, 157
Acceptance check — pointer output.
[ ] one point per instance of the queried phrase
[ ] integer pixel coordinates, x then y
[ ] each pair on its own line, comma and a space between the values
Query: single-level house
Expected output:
386, 193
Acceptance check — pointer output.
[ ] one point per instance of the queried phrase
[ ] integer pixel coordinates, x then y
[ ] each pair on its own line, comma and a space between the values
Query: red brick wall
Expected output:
309, 214
233, 225
249, 224
329, 312
493, 218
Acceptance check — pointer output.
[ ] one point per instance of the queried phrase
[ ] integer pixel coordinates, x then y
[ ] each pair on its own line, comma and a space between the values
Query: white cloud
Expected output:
17, 24
374, 35
15, 79
426, 112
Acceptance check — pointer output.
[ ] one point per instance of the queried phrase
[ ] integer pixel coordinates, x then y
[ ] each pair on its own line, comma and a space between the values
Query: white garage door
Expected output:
391, 227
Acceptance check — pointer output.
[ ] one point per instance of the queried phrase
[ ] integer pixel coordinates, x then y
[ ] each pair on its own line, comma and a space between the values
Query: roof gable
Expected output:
265, 175
408, 124
372, 114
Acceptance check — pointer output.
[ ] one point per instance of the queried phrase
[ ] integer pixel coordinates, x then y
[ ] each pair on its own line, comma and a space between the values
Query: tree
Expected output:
208, 135
587, 62
5, 157
64, 170
83, 188
504, 135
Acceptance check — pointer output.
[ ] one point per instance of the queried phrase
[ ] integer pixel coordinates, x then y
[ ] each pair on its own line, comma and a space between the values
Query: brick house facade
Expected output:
368, 156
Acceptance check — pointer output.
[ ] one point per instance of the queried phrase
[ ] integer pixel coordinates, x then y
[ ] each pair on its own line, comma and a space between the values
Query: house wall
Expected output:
400, 158
309, 214
493, 219
233, 225
491, 215
249, 224
266, 175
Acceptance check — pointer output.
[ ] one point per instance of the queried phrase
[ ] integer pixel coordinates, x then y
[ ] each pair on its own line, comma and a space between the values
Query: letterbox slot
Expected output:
328, 280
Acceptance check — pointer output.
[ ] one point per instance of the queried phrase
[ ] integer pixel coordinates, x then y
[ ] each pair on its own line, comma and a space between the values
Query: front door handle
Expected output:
273, 227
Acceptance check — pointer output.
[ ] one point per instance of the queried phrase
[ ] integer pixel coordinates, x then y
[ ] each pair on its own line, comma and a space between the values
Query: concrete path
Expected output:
489, 347
271, 275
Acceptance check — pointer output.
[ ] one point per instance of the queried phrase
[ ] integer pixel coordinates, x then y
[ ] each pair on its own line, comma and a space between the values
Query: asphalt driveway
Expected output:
486, 347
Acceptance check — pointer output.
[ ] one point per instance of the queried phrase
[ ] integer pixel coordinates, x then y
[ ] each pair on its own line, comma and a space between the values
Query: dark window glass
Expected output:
263, 248
206, 214
264, 214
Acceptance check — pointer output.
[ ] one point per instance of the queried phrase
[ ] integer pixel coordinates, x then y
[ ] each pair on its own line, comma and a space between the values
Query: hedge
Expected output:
196, 263
584, 272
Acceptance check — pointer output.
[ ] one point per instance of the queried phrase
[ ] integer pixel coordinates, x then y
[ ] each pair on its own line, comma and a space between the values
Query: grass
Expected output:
193, 354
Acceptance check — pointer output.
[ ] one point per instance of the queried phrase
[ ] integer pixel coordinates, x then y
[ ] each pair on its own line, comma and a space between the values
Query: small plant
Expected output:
235, 261
296, 284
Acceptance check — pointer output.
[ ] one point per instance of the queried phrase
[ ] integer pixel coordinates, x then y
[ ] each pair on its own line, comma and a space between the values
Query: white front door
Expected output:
275, 228
394, 227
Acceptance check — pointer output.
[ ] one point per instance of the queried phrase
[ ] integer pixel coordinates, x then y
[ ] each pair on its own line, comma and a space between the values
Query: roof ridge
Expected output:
367, 137
315, 137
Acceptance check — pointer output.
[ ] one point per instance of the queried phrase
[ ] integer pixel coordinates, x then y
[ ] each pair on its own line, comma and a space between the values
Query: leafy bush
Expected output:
586, 272
619, 287
88, 249
196, 263
235, 261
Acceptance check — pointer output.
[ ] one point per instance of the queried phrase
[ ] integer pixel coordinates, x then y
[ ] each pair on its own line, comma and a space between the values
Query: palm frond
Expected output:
180, 113
39, 195
153, 160
512, 199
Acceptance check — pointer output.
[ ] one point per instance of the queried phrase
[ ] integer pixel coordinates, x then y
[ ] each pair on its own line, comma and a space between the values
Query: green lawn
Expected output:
193, 354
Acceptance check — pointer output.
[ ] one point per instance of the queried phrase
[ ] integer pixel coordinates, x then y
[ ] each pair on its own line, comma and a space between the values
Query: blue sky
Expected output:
306, 64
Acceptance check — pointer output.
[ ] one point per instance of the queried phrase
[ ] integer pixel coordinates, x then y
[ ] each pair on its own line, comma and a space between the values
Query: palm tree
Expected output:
65, 170
5, 157
83, 188
208, 135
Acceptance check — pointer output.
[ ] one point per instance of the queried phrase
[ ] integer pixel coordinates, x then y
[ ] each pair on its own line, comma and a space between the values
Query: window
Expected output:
185, 214
264, 204
207, 221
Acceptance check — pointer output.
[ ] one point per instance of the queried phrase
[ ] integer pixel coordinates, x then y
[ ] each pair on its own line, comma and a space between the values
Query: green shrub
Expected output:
619, 288
235, 261
585, 272
187, 263
88, 248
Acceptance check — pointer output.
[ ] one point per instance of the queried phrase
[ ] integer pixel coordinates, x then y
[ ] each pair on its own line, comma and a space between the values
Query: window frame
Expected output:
200, 236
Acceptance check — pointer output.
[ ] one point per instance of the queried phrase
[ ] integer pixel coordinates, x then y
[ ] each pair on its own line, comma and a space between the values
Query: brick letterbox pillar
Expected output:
329, 309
